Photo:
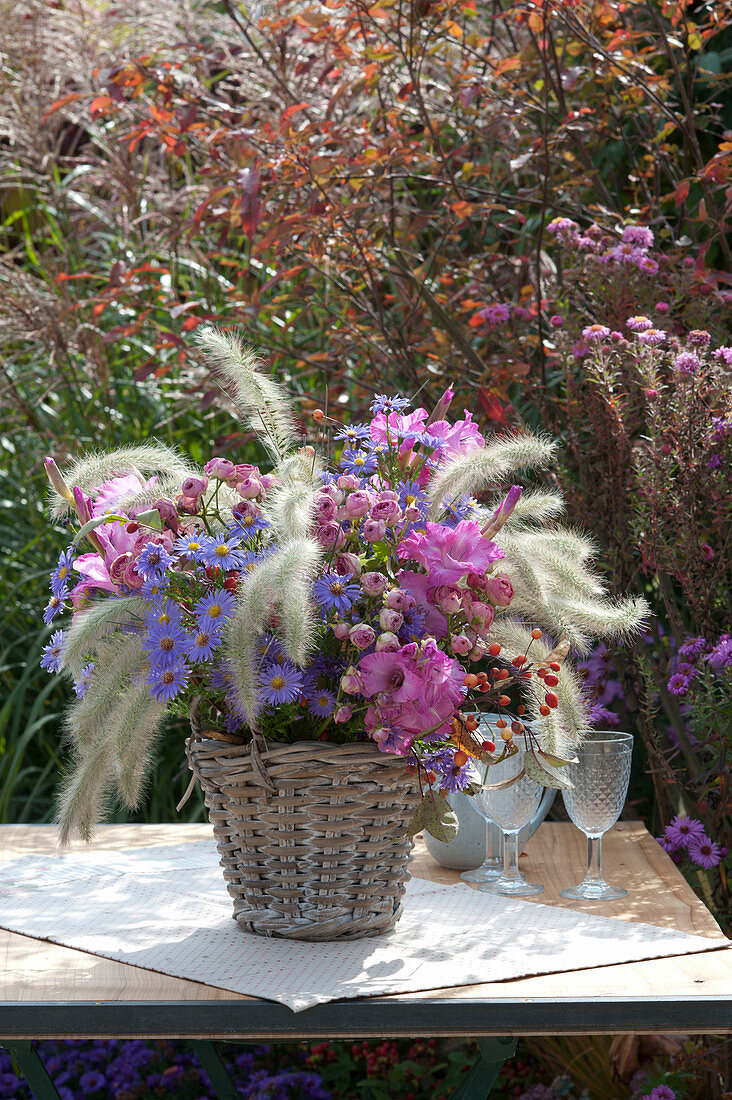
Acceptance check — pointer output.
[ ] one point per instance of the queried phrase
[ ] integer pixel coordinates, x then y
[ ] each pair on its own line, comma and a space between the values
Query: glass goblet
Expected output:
510, 808
492, 865
600, 779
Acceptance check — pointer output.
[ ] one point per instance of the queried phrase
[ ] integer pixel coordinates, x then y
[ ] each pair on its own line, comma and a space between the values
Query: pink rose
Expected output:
390, 620
348, 481
357, 504
330, 536
448, 597
343, 713
373, 530
340, 630
168, 513
386, 511
461, 644
499, 590
191, 506
362, 636
194, 487
325, 508
347, 563
373, 584
131, 577
477, 581
118, 566
481, 615
387, 643
352, 681
397, 599
220, 468
249, 488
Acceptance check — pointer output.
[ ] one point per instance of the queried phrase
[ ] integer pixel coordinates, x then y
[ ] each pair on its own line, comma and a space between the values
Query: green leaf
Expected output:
91, 524
439, 819
545, 774
150, 519
416, 825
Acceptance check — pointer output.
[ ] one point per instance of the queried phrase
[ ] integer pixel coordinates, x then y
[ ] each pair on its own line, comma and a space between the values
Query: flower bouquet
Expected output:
334, 629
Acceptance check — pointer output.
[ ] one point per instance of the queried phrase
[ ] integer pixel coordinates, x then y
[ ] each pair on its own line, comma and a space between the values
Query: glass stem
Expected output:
594, 859
510, 856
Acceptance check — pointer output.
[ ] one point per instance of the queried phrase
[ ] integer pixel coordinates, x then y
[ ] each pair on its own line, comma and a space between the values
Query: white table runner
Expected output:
167, 909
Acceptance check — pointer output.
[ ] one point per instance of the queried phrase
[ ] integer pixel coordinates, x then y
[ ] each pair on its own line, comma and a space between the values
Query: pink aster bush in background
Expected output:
367, 595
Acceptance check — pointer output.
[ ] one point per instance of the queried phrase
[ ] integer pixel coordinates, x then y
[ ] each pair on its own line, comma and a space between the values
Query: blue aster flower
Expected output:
411, 494
457, 510
164, 614
81, 686
359, 463
190, 545
333, 592
214, 609
165, 643
153, 561
154, 588
280, 683
354, 433
413, 628
53, 652
434, 442
222, 551
382, 403
249, 523
270, 648
202, 645
60, 575
53, 608
322, 703
167, 682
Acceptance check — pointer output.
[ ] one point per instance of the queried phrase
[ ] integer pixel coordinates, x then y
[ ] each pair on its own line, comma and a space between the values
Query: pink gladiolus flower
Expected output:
461, 438
413, 422
449, 554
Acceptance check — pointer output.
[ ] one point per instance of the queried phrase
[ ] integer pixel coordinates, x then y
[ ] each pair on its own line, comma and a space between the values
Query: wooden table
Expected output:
50, 991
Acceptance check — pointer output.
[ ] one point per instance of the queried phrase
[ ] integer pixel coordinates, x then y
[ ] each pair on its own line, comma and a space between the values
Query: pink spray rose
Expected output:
325, 508
249, 488
347, 563
373, 530
386, 511
220, 468
499, 590
194, 487
448, 597
390, 620
343, 714
362, 635
387, 643
373, 583
397, 599
357, 504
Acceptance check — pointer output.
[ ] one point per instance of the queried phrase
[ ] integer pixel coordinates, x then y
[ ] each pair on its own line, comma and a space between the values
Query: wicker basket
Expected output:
306, 834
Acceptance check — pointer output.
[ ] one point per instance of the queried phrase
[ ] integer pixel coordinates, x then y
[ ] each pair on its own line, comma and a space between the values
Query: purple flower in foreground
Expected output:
280, 683
164, 643
222, 551
53, 608
154, 588
652, 337
704, 851
595, 333
60, 575
687, 363
640, 323
681, 830
166, 683
153, 562
679, 684
721, 655
215, 608
639, 235
334, 593
322, 703
699, 337
660, 1092
384, 404
723, 355
202, 645
53, 652
190, 545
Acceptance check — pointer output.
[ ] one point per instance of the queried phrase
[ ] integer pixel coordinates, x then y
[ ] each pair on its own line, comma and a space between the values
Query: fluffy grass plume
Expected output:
290, 505
117, 661
144, 460
138, 721
85, 794
473, 473
90, 629
533, 507
281, 584
264, 403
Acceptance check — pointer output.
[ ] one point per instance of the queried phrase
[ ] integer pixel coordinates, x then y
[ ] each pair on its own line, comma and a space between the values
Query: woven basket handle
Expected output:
259, 767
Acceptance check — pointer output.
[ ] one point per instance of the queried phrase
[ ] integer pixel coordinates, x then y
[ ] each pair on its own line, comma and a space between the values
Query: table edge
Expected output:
384, 1017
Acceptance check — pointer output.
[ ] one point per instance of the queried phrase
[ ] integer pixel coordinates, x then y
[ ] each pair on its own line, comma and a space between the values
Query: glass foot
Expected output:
485, 873
513, 887
594, 891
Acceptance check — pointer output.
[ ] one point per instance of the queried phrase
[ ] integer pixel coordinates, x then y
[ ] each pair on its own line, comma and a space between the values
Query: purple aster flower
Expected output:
164, 643
165, 614
322, 703
496, 314
359, 463
720, 428
91, 1082
639, 235
639, 323
704, 852
594, 334
280, 683
53, 652
190, 545
652, 337
411, 495
215, 608
153, 588
53, 608
714, 462
645, 263
678, 684
202, 645
384, 404
692, 647
353, 434
248, 520
625, 253
153, 561
721, 655
60, 575
665, 844
699, 337
166, 683
81, 686
681, 830
222, 551
723, 355
334, 592
687, 362
563, 228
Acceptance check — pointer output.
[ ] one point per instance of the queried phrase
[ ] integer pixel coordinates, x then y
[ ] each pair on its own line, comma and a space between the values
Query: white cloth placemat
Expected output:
167, 909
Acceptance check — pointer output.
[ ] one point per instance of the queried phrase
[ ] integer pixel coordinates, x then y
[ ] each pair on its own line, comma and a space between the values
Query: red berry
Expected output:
555, 666
494, 649
503, 674
551, 680
132, 527
551, 700
518, 661
541, 673
503, 700
489, 746
544, 709
461, 758
521, 709
517, 727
